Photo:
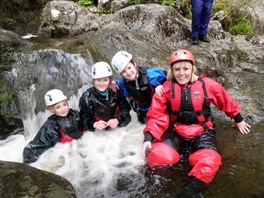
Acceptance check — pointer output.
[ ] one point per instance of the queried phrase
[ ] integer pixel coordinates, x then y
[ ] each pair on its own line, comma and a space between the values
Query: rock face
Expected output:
66, 18
10, 120
21, 16
21, 180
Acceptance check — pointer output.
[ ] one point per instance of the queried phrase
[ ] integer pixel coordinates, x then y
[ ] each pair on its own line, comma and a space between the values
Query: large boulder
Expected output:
66, 18
21, 16
21, 180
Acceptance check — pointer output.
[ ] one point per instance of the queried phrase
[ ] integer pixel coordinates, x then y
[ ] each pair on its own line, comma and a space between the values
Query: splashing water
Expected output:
108, 163
98, 165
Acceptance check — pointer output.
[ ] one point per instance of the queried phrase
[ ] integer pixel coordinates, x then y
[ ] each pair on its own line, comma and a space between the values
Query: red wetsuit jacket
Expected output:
181, 100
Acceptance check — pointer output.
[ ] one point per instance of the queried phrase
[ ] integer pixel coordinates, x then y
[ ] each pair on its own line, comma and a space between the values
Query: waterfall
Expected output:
100, 162
94, 164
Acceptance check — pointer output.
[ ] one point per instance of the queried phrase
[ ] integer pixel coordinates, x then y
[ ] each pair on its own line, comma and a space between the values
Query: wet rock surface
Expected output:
21, 180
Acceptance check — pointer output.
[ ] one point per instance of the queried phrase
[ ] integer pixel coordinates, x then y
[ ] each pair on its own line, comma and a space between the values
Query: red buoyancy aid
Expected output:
69, 127
189, 109
159, 115
98, 118
65, 137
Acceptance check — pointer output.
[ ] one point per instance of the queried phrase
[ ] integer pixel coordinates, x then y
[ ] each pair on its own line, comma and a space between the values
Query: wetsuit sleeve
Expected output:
148, 136
86, 111
47, 137
157, 117
156, 76
222, 100
121, 85
123, 116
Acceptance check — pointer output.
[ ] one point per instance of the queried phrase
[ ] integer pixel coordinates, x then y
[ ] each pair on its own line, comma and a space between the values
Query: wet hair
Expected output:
183, 63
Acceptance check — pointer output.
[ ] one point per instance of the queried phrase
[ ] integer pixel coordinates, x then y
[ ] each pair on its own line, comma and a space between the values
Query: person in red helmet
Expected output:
182, 116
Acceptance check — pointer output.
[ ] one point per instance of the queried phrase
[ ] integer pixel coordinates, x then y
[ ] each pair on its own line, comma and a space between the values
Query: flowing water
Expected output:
108, 163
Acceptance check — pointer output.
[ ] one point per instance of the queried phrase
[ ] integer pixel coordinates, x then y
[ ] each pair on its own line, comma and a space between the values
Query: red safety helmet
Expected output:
180, 55
162, 155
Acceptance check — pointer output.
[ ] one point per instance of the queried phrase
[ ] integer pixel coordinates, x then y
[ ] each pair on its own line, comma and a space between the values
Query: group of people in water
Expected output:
173, 105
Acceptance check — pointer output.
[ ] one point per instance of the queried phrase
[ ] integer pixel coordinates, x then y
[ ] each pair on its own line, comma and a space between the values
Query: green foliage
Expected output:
182, 6
84, 2
241, 27
237, 20
5, 57
103, 11
170, 3
136, 2
6, 95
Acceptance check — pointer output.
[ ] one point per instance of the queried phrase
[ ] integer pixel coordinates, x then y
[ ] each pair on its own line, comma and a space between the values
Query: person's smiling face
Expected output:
102, 83
60, 108
182, 72
129, 72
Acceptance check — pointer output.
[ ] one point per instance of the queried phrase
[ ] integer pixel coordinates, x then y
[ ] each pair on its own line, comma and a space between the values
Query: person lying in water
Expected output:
64, 125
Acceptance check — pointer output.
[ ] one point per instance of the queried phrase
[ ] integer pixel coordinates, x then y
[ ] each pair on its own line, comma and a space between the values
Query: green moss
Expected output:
7, 94
5, 58
136, 2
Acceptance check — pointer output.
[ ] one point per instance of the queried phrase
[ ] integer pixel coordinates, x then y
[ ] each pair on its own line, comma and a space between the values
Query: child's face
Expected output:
102, 83
60, 108
129, 72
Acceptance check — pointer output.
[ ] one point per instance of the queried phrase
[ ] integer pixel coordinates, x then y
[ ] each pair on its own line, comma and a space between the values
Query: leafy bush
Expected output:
170, 3
242, 27
237, 20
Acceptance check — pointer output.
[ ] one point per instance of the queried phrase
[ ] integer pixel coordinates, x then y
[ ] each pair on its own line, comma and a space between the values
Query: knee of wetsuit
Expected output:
206, 163
162, 155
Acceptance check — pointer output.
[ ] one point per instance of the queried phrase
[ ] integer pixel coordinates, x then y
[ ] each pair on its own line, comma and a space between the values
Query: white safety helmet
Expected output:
120, 61
54, 96
101, 70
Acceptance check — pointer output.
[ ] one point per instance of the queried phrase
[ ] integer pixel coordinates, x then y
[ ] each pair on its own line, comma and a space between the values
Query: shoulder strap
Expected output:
144, 75
172, 89
204, 88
